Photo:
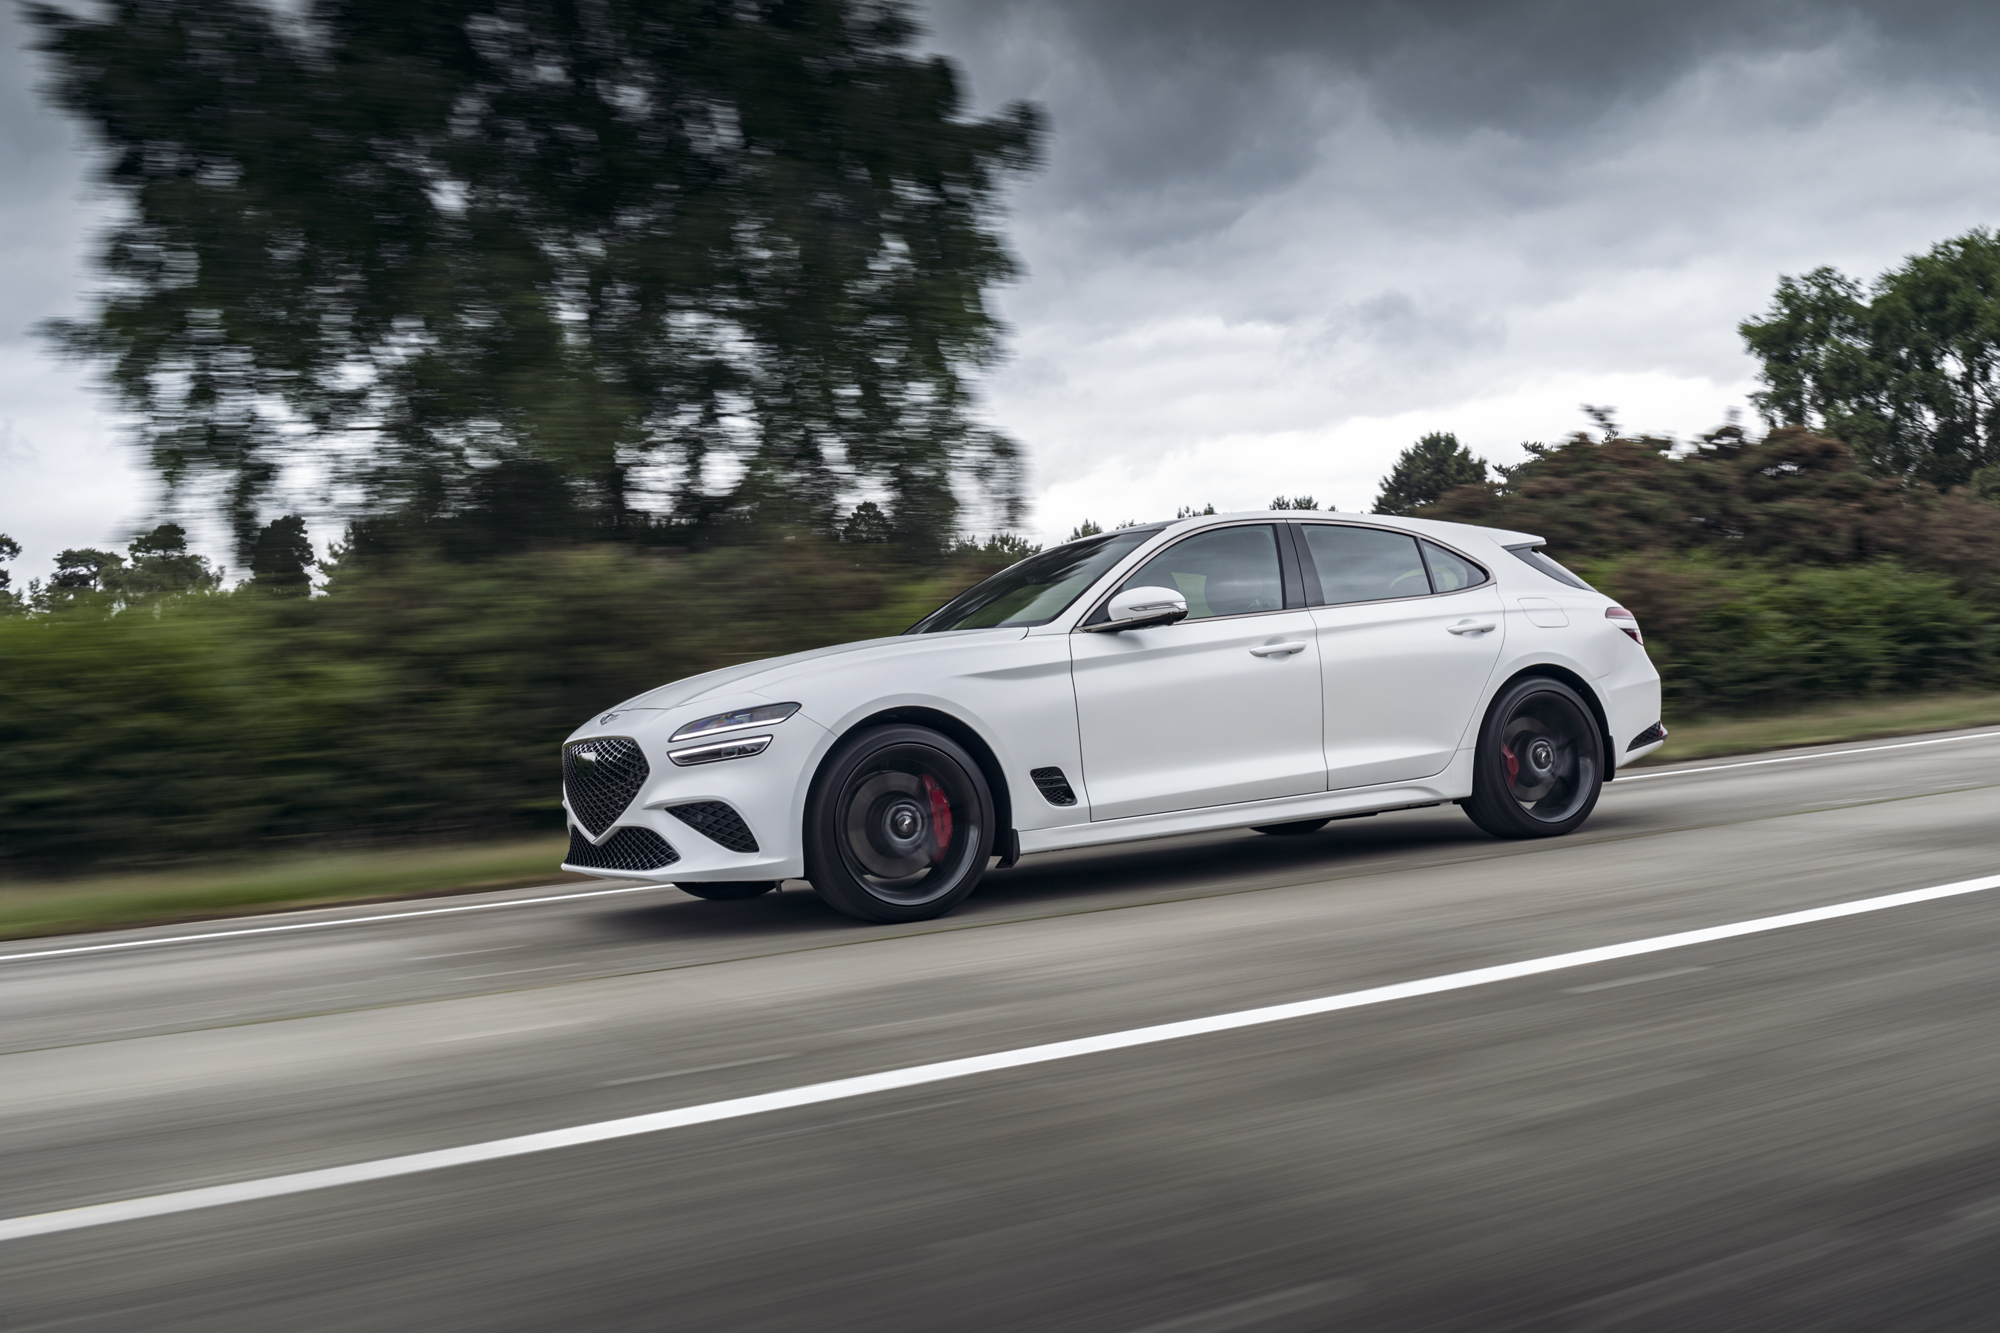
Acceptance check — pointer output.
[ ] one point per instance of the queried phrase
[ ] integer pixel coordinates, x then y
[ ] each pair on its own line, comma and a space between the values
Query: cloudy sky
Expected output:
1275, 242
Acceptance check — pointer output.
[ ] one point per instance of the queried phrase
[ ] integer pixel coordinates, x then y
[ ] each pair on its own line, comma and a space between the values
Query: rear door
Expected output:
1219, 708
1408, 634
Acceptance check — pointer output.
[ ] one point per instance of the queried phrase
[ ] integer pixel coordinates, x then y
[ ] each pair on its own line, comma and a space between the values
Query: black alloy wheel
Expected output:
1540, 762
730, 891
899, 825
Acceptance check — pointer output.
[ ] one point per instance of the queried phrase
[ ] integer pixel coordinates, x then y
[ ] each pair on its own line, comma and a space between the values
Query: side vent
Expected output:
718, 822
1053, 785
1656, 732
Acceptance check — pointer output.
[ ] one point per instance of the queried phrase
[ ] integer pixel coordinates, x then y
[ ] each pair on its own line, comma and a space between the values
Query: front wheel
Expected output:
899, 825
1540, 762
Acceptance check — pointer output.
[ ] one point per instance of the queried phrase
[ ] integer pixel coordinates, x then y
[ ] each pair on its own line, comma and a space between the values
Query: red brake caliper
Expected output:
1512, 761
940, 819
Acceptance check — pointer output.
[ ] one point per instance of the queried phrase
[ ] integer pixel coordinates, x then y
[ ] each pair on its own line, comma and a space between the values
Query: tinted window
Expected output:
1038, 589
1534, 555
1449, 573
1227, 572
1365, 564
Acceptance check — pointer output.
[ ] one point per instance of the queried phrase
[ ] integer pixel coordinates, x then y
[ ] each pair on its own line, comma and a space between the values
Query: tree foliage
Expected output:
10, 601
741, 244
1425, 471
156, 567
282, 558
1905, 372
1793, 497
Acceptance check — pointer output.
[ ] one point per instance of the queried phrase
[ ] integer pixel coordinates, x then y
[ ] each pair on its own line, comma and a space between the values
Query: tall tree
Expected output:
1425, 471
159, 565
742, 243
281, 558
10, 601
1906, 373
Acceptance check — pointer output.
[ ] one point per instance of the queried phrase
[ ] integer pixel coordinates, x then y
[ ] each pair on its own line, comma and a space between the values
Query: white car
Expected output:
1258, 671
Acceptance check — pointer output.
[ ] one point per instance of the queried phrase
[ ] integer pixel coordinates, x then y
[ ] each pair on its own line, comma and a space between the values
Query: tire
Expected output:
899, 825
731, 891
1539, 766
1291, 828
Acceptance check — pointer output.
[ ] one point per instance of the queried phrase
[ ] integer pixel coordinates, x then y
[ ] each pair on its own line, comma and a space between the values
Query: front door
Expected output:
1220, 708
1402, 651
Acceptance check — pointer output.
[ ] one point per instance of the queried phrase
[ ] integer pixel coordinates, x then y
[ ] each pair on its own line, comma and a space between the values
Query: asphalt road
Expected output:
1795, 1129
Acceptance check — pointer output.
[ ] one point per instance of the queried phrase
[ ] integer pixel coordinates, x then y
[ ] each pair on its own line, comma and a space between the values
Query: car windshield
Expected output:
1038, 589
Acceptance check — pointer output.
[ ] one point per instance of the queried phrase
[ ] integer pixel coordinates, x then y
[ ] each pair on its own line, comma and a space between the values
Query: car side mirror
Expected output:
1136, 608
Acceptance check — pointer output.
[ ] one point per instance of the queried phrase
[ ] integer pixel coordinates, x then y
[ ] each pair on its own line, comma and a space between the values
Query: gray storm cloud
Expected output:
1275, 242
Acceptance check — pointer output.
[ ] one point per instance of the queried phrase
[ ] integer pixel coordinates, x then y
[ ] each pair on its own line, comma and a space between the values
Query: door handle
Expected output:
1471, 627
1277, 649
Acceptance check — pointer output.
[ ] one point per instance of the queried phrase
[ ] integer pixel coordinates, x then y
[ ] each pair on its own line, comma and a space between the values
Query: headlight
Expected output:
741, 747
763, 715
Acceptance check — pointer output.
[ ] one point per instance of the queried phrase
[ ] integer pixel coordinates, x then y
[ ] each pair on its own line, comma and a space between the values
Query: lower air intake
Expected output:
627, 849
718, 822
1053, 785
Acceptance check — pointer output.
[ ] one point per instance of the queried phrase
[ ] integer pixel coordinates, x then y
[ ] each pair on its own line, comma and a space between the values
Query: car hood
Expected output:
770, 670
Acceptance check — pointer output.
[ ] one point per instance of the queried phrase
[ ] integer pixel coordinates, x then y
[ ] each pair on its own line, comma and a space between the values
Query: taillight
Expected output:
1626, 621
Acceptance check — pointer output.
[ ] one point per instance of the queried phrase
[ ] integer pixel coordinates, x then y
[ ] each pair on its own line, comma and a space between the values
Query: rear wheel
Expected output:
1540, 762
729, 892
899, 826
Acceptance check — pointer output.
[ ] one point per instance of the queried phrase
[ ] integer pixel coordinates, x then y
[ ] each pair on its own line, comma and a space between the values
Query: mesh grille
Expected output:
1053, 785
718, 822
627, 849
601, 777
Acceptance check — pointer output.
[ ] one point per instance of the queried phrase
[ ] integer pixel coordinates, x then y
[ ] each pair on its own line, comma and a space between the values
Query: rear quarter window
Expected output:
1536, 558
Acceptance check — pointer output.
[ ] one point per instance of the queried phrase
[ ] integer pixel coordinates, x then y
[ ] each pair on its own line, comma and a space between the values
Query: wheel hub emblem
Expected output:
1541, 756
904, 822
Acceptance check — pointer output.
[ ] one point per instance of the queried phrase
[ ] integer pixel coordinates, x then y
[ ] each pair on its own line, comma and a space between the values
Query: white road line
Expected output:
322, 925
212, 1196
1631, 981
1799, 758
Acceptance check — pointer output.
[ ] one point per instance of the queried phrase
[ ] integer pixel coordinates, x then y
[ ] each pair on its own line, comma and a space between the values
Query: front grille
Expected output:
627, 849
718, 822
1053, 785
601, 777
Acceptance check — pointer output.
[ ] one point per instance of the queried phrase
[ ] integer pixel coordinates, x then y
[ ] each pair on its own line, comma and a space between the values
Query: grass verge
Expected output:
56, 907
1703, 738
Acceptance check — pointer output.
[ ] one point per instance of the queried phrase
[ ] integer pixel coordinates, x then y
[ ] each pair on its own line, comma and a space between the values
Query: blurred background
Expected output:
386, 387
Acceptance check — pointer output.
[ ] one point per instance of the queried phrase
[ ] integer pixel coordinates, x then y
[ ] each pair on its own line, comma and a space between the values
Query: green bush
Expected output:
1735, 636
417, 699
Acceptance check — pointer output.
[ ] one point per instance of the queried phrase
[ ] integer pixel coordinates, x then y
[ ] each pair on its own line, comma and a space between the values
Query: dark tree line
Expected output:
515, 262
157, 567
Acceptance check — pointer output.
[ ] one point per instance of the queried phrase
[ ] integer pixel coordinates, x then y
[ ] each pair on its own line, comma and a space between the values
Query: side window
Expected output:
1448, 572
1365, 564
1227, 572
